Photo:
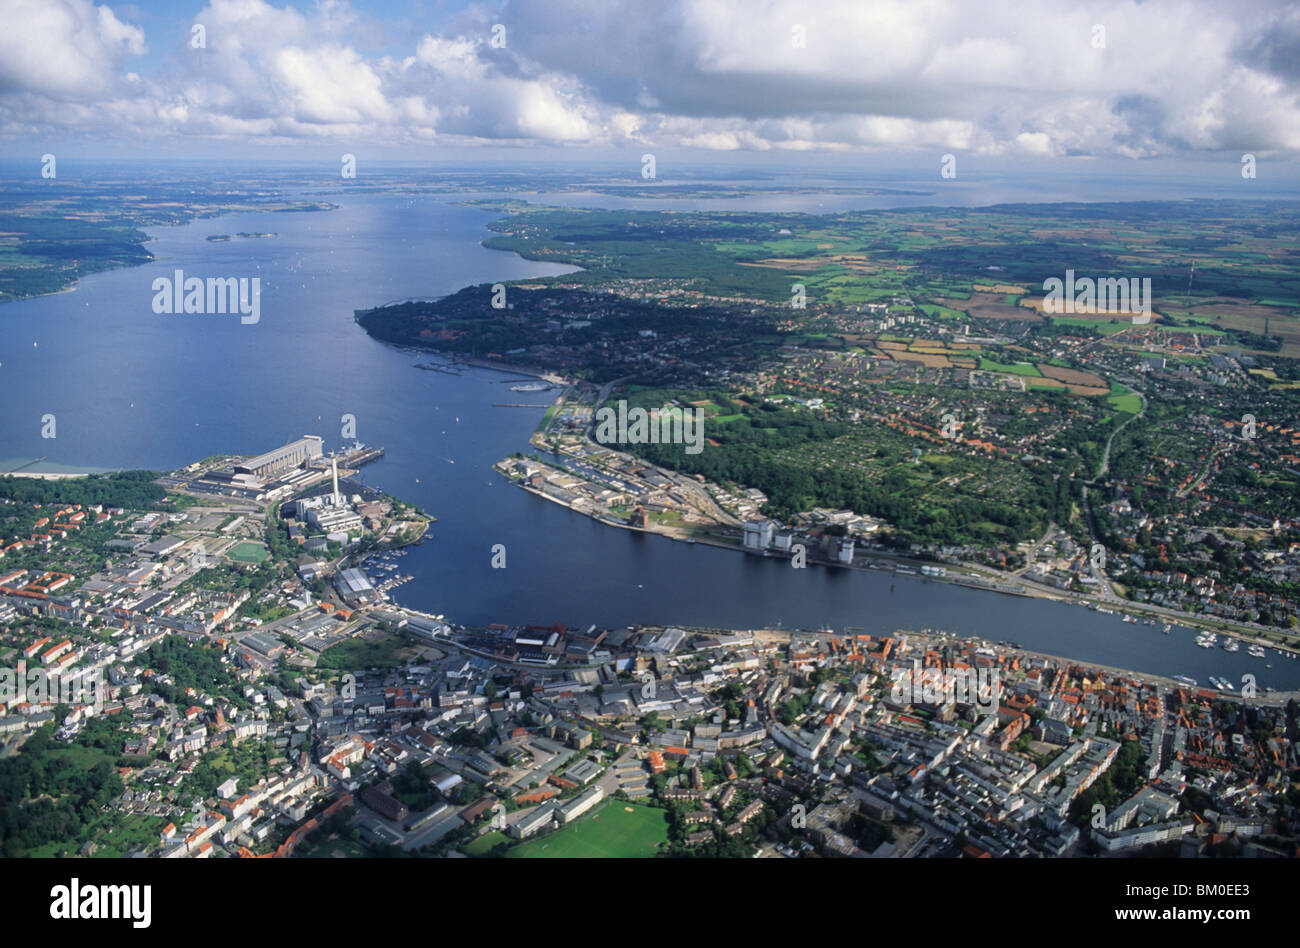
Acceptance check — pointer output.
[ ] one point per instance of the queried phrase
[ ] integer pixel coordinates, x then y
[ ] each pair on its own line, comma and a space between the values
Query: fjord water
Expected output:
131, 389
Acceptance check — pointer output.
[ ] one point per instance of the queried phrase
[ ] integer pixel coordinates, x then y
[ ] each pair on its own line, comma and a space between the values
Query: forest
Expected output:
134, 490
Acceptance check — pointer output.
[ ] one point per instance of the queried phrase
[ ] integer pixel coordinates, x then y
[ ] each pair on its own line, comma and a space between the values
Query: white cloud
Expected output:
63, 49
944, 75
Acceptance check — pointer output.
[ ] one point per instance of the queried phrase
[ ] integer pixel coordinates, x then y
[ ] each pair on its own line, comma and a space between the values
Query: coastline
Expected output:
968, 578
55, 475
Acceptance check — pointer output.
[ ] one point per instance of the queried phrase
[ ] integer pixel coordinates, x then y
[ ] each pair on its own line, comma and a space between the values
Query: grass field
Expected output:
1014, 368
247, 552
1123, 399
618, 830
335, 848
384, 652
483, 844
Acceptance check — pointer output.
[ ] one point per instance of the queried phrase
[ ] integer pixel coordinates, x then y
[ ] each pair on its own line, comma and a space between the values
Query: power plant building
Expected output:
335, 520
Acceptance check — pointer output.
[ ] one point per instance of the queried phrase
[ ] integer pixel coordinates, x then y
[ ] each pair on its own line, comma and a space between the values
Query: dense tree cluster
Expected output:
131, 489
44, 800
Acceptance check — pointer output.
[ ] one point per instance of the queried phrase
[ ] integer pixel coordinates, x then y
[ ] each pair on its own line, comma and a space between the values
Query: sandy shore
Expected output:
48, 475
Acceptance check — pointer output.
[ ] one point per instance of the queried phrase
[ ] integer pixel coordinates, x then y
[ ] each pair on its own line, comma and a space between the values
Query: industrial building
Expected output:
426, 628
286, 458
331, 512
334, 520
758, 534
353, 586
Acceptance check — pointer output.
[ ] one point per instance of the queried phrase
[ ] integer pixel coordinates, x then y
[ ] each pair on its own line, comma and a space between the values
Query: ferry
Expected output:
1216, 682
1185, 680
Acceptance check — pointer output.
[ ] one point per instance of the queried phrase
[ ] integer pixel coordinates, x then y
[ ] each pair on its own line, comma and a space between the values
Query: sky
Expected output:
414, 79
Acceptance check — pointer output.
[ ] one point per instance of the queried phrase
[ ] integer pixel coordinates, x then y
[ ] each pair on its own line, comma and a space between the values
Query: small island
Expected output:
243, 234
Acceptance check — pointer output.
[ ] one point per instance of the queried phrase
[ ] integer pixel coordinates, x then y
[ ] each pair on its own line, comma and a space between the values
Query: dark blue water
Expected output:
129, 388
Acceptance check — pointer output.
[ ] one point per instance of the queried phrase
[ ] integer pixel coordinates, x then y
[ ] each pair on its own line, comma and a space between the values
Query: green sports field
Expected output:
247, 552
618, 829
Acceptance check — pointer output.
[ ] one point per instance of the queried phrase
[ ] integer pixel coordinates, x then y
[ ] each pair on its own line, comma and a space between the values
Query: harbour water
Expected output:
132, 389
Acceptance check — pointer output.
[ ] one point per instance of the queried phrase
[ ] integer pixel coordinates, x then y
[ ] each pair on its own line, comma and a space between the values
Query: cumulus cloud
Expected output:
725, 75
64, 49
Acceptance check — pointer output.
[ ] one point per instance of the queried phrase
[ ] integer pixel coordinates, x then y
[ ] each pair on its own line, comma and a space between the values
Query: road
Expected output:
1105, 458
1032, 553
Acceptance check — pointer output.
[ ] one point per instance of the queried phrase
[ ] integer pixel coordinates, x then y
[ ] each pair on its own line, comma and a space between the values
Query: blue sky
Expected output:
1197, 81
394, 25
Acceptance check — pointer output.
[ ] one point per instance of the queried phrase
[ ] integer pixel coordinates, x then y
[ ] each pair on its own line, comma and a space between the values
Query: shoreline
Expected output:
1147, 677
57, 475
967, 578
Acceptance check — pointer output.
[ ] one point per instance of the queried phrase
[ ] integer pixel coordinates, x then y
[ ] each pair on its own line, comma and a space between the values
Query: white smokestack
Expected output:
334, 466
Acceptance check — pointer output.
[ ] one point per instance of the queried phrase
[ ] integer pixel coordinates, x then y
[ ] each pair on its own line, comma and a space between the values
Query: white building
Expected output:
570, 810
758, 534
